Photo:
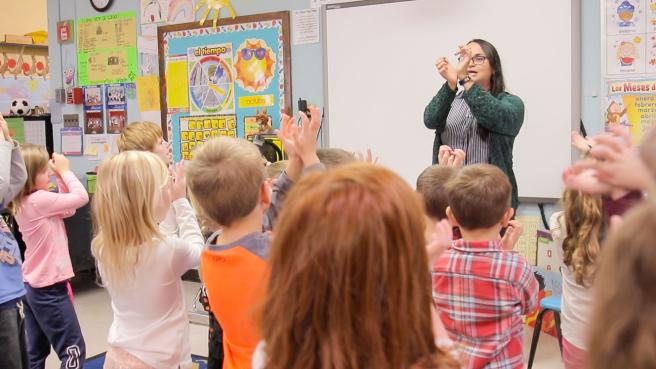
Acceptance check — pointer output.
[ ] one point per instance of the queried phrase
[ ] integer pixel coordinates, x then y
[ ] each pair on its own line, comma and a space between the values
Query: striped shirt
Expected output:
462, 132
481, 292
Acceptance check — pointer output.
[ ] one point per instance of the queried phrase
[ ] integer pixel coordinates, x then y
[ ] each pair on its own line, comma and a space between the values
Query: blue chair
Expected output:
551, 303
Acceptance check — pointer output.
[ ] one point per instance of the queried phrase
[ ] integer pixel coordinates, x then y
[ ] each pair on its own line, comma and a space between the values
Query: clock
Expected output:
101, 5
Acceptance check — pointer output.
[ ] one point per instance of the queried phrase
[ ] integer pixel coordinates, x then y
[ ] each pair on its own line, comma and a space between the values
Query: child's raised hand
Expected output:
60, 164
443, 154
457, 159
306, 141
618, 162
580, 178
513, 233
287, 133
368, 158
179, 187
440, 240
583, 144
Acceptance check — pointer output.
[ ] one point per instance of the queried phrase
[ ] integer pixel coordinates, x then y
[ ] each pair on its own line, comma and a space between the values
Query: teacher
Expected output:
473, 112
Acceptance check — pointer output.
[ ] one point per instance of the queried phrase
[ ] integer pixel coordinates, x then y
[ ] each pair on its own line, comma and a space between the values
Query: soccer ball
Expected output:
19, 107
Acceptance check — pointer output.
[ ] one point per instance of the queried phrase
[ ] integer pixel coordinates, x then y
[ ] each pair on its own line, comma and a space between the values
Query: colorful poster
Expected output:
107, 49
625, 54
211, 79
625, 17
194, 131
115, 96
93, 122
148, 93
235, 70
153, 11
631, 104
35, 91
181, 11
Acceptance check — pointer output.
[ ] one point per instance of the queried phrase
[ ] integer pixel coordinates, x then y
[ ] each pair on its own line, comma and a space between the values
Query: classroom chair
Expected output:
550, 303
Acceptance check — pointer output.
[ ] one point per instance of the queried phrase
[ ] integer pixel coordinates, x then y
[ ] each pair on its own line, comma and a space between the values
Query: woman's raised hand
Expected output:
447, 71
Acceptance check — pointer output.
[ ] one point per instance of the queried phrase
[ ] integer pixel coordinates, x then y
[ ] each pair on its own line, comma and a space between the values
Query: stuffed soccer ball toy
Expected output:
19, 107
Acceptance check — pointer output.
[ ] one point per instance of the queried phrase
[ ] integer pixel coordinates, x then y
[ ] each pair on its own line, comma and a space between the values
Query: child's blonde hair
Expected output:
583, 218
142, 136
623, 332
224, 179
36, 161
128, 187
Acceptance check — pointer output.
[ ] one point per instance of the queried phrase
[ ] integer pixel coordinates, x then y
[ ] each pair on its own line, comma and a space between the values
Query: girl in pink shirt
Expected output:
50, 315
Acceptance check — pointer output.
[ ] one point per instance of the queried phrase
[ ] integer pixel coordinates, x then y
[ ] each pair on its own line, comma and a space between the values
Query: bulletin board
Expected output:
107, 49
219, 81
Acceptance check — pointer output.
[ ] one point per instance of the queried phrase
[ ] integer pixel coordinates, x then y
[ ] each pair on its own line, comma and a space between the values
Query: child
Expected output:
144, 136
147, 136
578, 228
12, 328
141, 267
623, 328
481, 289
431, 185
348, 285
50, 315
227, 181
333, 157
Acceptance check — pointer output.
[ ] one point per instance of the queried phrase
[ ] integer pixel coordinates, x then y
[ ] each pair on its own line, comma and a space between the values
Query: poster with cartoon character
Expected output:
625, 54
631, 104
238, 70
625, 17
93, 110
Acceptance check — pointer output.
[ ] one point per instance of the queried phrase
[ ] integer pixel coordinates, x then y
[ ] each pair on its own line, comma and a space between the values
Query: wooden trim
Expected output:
283, 16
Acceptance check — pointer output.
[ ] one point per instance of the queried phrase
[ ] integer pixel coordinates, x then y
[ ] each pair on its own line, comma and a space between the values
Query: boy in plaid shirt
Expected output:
482, 288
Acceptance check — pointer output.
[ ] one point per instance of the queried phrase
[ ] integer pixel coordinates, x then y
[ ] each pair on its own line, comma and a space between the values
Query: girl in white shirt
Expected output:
140, 266
577, 229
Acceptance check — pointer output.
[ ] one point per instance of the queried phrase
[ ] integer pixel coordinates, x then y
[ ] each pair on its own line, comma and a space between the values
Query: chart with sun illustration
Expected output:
236, 71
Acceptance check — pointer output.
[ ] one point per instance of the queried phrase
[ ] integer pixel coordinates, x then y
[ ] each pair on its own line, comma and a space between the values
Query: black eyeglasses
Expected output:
477, 59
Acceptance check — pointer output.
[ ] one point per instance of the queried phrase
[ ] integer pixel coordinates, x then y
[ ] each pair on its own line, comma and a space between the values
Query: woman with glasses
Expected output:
472, 111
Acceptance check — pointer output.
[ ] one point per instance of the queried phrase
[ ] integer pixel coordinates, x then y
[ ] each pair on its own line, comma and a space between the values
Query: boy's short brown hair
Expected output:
142, 136
479, 195
333, 157
224, 179
431, 184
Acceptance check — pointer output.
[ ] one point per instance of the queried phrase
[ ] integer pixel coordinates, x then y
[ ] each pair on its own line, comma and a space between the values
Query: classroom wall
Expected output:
21, 17
307, 75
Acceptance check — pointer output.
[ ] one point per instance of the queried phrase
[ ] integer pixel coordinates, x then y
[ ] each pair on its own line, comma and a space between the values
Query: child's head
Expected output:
479, 198
332, 157
584, 219
349, 281
623, 332
226, 180
38, 172
144, 136
431, 184
132, 196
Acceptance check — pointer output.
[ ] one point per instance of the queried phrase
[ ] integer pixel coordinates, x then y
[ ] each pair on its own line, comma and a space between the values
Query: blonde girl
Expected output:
141, 267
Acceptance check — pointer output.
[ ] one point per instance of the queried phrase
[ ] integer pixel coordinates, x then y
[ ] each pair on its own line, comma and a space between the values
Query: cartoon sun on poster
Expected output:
255, 65
211, 79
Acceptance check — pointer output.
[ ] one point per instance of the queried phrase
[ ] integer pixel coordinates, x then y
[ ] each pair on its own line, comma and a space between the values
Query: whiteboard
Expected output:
379, 76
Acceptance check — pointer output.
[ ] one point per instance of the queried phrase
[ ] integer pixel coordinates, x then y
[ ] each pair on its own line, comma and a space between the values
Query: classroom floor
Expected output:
95, 314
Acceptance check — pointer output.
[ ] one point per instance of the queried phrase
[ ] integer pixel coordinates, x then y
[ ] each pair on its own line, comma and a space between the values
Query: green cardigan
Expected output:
501, 115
